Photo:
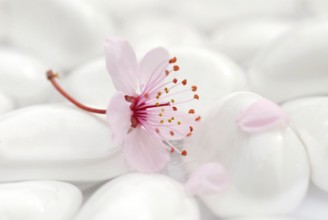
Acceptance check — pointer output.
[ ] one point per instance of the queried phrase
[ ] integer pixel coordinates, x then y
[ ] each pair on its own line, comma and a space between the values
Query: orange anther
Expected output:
173, 60
191, 111
176, 67
184, 82
171, 133
194, 88
174, 108
175, 80
196, 96
197, 118
184, 153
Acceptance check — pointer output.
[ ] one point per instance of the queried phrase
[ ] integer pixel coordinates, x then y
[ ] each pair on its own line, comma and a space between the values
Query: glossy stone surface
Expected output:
34, 27
141, 197
91, 84
263, 218
242, 40
146, 34
39, 200
22, 77
268, 170
6, 104
293, 66
310, 120
208, 14
57, 142
214, 74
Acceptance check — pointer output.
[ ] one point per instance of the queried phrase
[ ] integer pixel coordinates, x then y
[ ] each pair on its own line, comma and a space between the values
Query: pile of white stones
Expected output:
59, 163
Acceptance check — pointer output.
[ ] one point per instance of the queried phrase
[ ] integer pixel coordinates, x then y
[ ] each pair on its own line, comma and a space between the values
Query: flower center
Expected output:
156, 107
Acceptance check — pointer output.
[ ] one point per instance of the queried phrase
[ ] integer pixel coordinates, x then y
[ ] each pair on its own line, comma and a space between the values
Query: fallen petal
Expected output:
262, 115
209, 178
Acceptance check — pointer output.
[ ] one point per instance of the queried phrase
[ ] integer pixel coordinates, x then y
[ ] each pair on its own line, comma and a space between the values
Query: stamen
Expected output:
196, 96
197, 118
194, 88
184, 153
184, 82
173, 60
176, 67
191, 111
175, 80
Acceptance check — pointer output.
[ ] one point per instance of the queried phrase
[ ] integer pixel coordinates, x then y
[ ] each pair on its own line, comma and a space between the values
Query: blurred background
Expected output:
277, 48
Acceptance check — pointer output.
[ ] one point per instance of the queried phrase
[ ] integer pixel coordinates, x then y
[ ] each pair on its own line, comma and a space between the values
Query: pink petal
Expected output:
144, 152
122, 65
119, 117
207, 179
261, 115
152, 62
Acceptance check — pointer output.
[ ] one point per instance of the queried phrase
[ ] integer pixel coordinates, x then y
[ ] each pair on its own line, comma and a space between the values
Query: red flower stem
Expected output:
52, 78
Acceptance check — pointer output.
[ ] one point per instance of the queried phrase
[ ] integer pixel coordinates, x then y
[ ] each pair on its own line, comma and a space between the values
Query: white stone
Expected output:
125, 10
214, 74
314, 206
57, 142
3, 20
293, 66
6, 104
22, 78
317, 7
310, 120
39, 200
207, 14
91, 84
242, 40
64, 33
268, 171
146, 34
140, 197
262, 218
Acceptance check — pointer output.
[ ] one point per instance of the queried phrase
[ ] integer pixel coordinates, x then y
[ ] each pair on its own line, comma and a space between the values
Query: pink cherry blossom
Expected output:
145, 113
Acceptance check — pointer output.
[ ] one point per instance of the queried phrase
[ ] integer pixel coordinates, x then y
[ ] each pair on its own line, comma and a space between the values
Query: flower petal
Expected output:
122, 65
144, 152
261, 115
152, 64
119, 117
207, 179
